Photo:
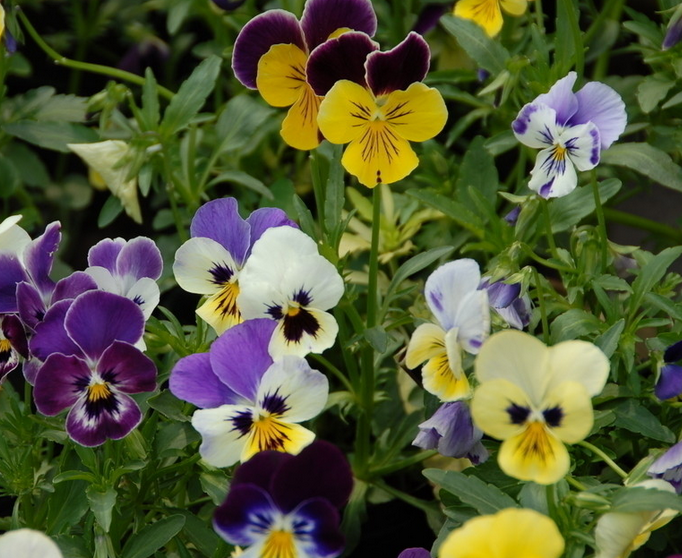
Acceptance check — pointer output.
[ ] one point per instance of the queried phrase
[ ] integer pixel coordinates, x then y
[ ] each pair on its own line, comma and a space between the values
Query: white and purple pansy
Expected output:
128, 268
91, 365
249, 402
281, 505
669, 467
463, 314
210, 262
571, 129
13, 344
288, 281
508, 302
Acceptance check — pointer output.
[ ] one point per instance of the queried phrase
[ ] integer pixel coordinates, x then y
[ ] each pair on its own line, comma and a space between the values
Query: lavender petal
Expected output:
265, 218
561, 98
39, 255
192, 379
139, 258
601, 105
105, 253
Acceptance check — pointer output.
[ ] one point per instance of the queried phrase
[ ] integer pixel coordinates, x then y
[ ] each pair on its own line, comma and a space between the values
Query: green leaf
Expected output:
663, 303
153, 537
51, 135
416, 264
458, 212
9, 177
102, 503
200, 534
634, 499
652, 273
191, 96
245, 179
635, 418
63, 108
567, 211
150, 101
31, 168
488, 53
111, 209
647, 160
573, 324
238, 121
377, 338
215, 484
478, 171
652, 90
608, 341
484, 498
66, 506
305, 217
334, 191
613, 283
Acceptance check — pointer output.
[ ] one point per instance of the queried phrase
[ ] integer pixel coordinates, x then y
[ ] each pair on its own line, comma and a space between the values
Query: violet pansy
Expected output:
669, 382
571, 129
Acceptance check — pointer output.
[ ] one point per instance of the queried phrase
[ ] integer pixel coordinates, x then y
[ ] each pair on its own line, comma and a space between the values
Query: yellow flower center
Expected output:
268, 433
280, 544
536, 443
98, 391
5, 346
560, 152
293, 311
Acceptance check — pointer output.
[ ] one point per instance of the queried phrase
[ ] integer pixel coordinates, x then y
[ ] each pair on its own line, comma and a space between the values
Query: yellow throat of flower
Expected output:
279, 544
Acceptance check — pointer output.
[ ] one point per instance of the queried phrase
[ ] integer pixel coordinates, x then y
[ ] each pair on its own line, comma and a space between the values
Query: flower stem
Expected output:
403, 464
334, 370
548, 228
600, 220
635, 221
541, 303
86, 66
605, 458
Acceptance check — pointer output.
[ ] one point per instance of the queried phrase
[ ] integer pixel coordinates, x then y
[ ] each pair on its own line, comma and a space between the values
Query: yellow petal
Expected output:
575, 411
484, 12
220, 311
300, 129
344, 112
442, 380
269, 433
417, 114
2, 20
427, 341
281, 75
515, 7
491, 404
535, 455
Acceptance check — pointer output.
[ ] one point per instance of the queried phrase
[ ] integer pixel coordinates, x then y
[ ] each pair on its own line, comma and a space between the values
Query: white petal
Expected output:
27, 543
473, 321
446, 288
104, 279
194, 261
222, 443
323, 338
578, 361
145, 292
536, 126
583, 145
554, 175
12, 237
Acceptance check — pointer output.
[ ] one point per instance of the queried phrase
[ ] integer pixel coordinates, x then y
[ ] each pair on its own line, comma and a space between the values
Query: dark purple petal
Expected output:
257, 36
265, 218
11, 273
415, 553
239, 357
75, 284
61, 380
399, 67
9, 359
601, 105
96, 319
13, 330
228, 4
428, 17
337, 59
192, 379
219, 220
39, 256
127, 368
501, 295
139, 258
260, 469
317, 528
30, 305
670, 383
105, 253
50, 335
320, 470
513, 215
91, 427
30, 369
322, 17
674, 33
245, 516
561, 98
673, 353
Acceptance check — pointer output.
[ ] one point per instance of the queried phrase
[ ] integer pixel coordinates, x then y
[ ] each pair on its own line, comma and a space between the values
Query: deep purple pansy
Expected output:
13, 343
91, 365
416, 552
669, 467
284, 505
669, 382
571, 129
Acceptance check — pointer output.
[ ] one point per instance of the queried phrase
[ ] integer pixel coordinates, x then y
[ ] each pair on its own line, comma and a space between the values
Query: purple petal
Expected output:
219, 220
415, 553
239, 357
320, 470
39, 256
61, 380
260, 469
92, 428
72, 286
30, 369
318, 521
105, 253
399, 67
322, 17
192, 379
501, 295
337, 59
96, 319
11, 273
265, 218
9, 360
50, 335
669, 467
13, 330
670, 383
673, 353
245, 516
127, 369
139, 258
601, 105
674, 33
257, 36
561, 98
30, 305
428, 18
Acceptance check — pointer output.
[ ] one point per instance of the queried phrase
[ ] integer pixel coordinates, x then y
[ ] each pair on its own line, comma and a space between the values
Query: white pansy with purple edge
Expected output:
571, 129
128, 268
669, 467
91, 365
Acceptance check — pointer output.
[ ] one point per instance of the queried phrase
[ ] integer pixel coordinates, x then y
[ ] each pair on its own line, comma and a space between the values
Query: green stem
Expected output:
616, 216
403, 464
86, 66
548, 227
543, 309
372, 293
334, 370
605, 458
601, 221
529, 252
416, 502
575, 483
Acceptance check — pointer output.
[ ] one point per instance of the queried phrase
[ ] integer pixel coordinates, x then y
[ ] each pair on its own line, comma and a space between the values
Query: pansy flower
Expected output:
488, 13
285, 279
28, 543
91, 366
506, 300
13, 344
516, 533
128, 268
536, 398
463, 315
669, 467
210, 262
284, 506
271, 52
669, 382
416, 552
380, 112
248, 401
571, 129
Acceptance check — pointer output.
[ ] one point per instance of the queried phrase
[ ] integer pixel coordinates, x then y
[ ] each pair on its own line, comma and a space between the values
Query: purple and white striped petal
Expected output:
321, 18
669, 467
127, 369
535, 126
11, 273
192, 379
90, 425
145, 293
60, 382
398, 68
601, 105
96, 319
583, 145
13, 239
39, 255
554, 174
222, 439
446, 288
219, 220
561, 98
139, 257
257, 36
337, 59
105, 253
246, 515
473, 321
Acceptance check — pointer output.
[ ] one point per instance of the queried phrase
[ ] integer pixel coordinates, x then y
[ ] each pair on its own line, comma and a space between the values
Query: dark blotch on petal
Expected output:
243, 422
275, 404
295, 325
518, 414
399, 67
553, 416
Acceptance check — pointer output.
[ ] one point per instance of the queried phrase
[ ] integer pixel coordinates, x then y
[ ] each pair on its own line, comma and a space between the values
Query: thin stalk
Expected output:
601, 221
575, 483
334, 370
86, 66
529, 252
543, 309
403, 464
605, 458
617, 216
548, 227
171, 189
416, 502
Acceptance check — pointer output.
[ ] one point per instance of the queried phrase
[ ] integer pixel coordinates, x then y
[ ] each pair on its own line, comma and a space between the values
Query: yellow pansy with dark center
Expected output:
488, 13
